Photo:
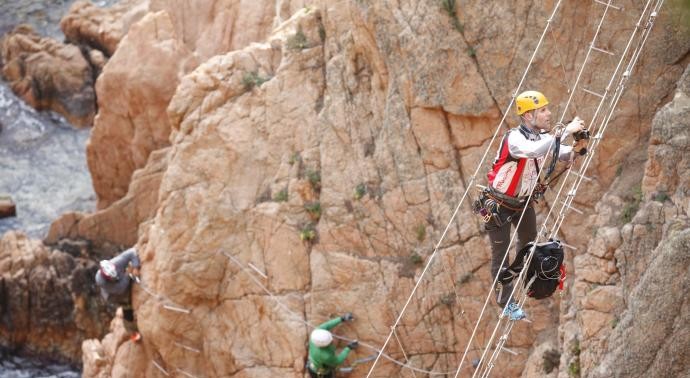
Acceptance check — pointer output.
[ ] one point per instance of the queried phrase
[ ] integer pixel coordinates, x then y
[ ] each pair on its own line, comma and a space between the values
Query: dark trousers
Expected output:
500, 238
316, 375
125, 300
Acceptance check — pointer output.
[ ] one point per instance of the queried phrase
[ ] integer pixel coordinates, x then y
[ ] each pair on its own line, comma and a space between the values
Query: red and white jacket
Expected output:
522, 152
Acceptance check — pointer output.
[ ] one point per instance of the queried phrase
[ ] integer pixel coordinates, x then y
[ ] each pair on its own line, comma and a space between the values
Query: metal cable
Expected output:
493, 335
469, 186
490, 365
299, 318
612, 105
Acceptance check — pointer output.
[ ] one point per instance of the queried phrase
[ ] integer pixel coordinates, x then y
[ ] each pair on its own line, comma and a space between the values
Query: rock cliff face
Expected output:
313, 171
627, 304
261, 137
118, 224
135, 89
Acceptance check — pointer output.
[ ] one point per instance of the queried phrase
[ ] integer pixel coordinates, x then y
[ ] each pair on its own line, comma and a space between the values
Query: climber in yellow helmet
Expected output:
513, 176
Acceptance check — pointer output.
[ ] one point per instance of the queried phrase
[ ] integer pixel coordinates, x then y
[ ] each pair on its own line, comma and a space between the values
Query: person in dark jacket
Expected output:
115, 285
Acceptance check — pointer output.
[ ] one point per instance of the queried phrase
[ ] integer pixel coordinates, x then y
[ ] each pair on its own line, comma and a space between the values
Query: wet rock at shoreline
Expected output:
49, 75
13, 366
48, 299
101, 28
7, 207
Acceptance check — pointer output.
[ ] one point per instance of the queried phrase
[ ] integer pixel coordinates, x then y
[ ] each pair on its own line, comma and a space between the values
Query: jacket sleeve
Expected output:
564, 152
100, 283
342, 356
129, 256
333, 361
331, 323
521, 147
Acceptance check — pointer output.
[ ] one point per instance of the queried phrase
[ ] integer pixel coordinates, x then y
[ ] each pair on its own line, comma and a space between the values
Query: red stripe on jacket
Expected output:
502, 158
516, 178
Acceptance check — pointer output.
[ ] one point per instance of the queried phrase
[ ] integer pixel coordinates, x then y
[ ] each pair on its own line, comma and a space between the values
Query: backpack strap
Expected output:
562, 279
520, 257
508, 274
529, 285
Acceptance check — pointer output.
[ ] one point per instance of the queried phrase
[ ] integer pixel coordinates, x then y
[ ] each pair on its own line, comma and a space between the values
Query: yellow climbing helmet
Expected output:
530, 100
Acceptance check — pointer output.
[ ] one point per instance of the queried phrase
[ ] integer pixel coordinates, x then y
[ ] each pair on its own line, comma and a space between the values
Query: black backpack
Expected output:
545, 272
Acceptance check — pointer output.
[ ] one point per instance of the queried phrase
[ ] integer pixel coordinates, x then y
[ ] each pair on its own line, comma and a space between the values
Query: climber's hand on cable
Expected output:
581, 135
347, 317
579, 149
135, 274
574, 126
353, 344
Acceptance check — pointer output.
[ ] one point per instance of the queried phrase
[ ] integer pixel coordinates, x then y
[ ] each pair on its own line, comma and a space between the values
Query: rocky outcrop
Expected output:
134, 89
212, 27
265, 183
666, 173
48, 300
330, 157
628, 300
49, 75
131, 121
101, 28
7, 207
118, 224
652, 336
261, 138
98, 354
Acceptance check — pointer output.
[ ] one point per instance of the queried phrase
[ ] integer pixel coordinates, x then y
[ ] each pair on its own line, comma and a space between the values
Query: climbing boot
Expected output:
135, 337
514, 312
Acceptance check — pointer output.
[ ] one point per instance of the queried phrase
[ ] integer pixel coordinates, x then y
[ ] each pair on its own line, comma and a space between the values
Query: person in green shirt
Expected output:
322, 358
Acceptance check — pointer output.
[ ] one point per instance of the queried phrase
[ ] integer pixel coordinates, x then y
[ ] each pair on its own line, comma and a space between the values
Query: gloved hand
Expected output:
574, 126
353, 344
580, 144
347, 317
134, 274
581, 135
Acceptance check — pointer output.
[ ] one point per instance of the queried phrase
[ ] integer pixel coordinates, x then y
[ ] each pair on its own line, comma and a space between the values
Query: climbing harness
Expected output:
489, 203
342, 369
320, 372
